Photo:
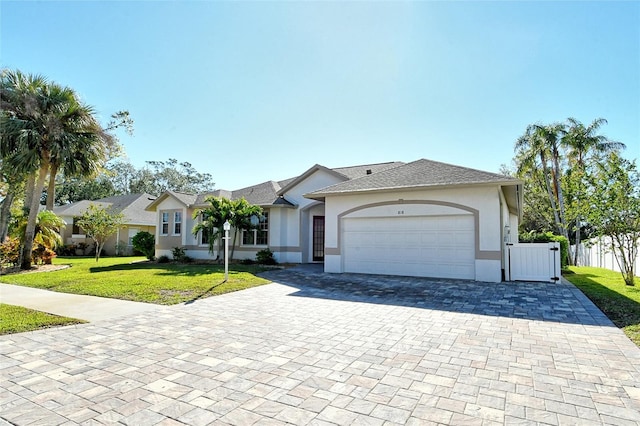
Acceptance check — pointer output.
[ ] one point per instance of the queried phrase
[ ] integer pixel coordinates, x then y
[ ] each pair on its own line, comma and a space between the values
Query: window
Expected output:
204, 237
177, 223
76, 230
259, 236
262, 234
132, 233
165, 223
248, 238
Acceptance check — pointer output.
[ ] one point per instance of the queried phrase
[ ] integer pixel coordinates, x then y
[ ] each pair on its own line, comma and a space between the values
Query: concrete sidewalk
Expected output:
88, 308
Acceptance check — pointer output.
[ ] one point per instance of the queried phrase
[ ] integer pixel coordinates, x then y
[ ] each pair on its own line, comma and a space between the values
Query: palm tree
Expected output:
212, 219
584, 142
87, 145
43, 124
83, 149
47, 233
533, 155
540, 147
244, 215
26, 124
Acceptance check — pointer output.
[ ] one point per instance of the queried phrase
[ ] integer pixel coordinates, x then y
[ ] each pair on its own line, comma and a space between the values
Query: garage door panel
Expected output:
434, 246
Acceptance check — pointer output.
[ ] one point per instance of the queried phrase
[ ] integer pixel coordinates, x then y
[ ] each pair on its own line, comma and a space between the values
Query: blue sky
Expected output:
252, 91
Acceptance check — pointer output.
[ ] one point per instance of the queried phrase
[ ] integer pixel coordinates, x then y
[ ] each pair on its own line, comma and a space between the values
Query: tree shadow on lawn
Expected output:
560, 302
204, 293
190, 270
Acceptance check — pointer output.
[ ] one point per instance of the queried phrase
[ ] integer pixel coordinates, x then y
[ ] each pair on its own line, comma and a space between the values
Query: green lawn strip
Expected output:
130, 278
607, 290
16, 319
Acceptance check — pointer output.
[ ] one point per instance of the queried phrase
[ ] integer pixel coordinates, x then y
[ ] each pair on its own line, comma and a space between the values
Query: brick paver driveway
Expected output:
324, 350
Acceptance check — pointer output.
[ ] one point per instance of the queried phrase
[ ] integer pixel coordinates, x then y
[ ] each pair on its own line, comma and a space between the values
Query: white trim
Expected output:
174, 222
160, 233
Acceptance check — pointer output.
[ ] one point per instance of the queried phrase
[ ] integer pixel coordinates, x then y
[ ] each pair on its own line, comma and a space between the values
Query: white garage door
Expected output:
423, 246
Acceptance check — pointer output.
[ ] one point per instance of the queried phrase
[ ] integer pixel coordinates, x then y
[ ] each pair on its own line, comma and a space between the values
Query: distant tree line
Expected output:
121, 177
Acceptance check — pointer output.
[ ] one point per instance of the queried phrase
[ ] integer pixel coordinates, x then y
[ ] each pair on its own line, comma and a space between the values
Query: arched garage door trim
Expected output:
479, 254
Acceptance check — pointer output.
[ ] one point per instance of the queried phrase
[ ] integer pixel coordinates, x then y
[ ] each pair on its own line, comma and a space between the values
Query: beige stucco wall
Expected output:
110, 245
482, 201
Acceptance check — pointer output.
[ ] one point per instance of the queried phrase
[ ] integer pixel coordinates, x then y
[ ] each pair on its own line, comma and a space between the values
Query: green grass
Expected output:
130, 279
16, 319
607, 290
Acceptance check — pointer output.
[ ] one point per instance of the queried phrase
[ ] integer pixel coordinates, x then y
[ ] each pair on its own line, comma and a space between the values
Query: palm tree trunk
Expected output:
552, 200
51, 189
25, 261
563, 223
5, 213
578, 207
29, 190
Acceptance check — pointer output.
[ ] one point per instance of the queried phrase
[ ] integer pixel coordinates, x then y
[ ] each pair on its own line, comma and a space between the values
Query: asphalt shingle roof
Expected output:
420, 173
263, 194
354, 172
366, 177
131, 205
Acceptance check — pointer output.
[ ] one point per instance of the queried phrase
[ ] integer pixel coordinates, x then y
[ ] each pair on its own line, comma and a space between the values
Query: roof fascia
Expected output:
322, 195
154, 204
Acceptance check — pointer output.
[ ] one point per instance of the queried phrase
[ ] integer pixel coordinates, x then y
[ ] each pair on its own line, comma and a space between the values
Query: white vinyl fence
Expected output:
534, 262
598, 253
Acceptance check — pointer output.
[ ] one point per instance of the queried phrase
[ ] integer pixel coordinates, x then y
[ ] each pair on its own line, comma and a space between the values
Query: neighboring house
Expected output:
136, 219
422, 218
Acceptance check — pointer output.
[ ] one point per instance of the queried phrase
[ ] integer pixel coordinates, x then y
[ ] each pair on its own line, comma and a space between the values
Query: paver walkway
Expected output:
298, 354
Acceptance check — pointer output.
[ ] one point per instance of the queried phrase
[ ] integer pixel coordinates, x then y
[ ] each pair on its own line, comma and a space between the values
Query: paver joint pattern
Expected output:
324, 349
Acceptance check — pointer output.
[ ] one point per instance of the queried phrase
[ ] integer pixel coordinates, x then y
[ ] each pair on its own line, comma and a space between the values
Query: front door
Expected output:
318, 238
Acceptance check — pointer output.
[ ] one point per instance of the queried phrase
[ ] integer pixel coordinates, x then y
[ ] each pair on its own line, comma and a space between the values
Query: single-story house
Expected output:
423, 218
136, 219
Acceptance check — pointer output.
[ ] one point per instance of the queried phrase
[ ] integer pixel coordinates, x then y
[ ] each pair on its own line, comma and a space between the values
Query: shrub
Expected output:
247, 261
164, 259
42, 255
180, 255
66, 250
265, 257
548, 237
83, 248
10, 251
145, 243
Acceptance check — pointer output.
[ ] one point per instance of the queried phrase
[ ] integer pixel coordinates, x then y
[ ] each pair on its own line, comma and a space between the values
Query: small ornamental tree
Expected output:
145, 243
100, 224
615, 210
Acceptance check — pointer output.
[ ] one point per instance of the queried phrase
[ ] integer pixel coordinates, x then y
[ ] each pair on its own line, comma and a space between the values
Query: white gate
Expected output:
534, 262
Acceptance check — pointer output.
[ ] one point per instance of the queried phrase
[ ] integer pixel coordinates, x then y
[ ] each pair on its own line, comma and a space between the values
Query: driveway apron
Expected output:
324, 349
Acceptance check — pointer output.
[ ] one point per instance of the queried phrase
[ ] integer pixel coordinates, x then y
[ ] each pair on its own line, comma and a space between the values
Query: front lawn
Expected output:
16, 319
131, 278
607, 290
